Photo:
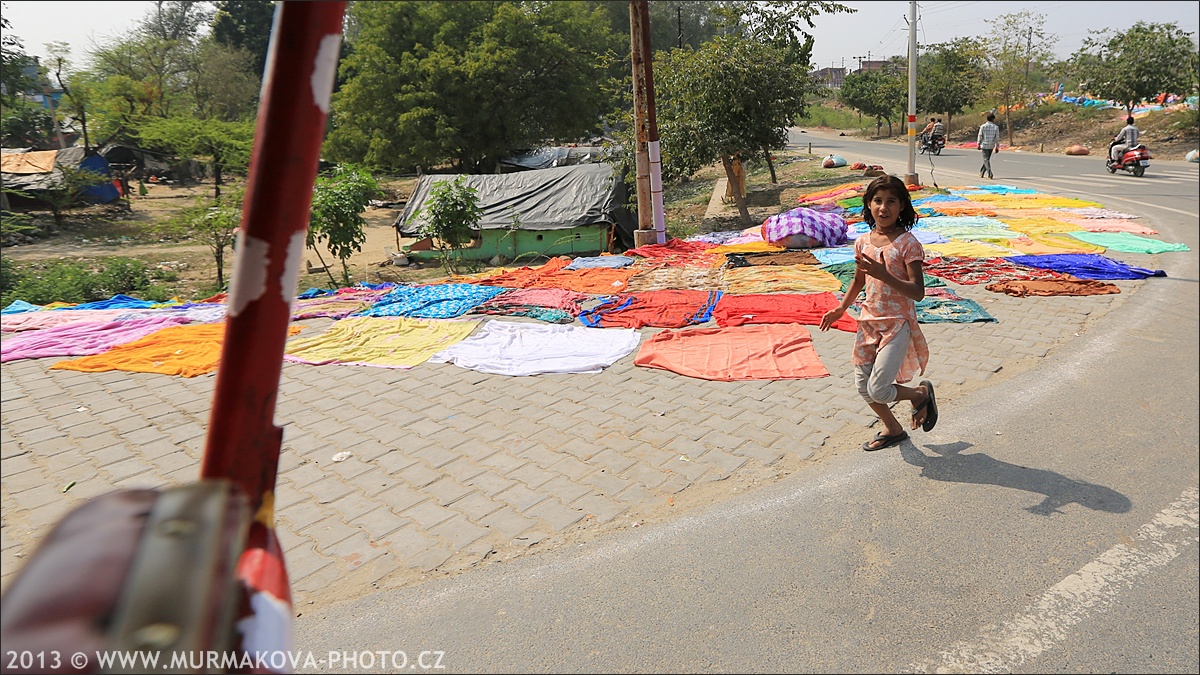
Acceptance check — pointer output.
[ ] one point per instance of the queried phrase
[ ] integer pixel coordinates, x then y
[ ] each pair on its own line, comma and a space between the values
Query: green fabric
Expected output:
1128, 243
945, 310
844, 271
850, 203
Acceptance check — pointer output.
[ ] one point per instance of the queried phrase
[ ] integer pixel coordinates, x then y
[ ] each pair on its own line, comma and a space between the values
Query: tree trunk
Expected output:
216, 177
737, 194
219, 254
770, 164
1008, 113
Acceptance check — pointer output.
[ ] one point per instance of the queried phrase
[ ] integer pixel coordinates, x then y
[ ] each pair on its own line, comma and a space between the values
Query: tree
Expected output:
1017, 43
212, 221
452, 218
949, 77
14, 63
730, 98
882, 94
1138, 63
335, 218
245, 24
25, 124
69, 184
434, 82
227, 144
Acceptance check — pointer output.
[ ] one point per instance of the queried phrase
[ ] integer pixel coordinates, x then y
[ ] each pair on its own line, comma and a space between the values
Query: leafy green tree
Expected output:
468, 82
213, 222
224, 83
882, 94
69, 185
728, 99
949, 77
1017, 43
451, 218
25, 124
227, 144
1138, 63
13, 64
245, 24
335, 220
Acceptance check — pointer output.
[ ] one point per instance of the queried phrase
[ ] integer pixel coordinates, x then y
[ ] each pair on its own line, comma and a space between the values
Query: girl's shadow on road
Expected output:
952, 466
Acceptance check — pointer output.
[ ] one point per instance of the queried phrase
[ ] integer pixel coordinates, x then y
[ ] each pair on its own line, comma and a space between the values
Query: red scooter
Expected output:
1134, 160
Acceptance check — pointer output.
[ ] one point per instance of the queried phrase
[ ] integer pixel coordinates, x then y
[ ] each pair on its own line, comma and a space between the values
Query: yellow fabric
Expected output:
1034, 201
961, 209
1042, 244
750, 247
189, 350
780, 279
967, 249
390, 342
1038, 225
41, 161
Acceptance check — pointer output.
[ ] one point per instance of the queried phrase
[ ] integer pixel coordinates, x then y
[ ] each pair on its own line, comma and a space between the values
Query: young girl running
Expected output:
889, 347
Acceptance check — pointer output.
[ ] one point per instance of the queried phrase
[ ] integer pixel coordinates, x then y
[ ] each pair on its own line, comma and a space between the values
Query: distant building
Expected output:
830, 77
871, 65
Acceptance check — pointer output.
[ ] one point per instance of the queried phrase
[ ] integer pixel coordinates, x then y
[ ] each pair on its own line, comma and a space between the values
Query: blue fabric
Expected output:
832, 256
377, 287
933, 199
952, 310
600, 262
994, 190
1086, 266
439, 301
313, 293
115, 302
20, 307
104, 192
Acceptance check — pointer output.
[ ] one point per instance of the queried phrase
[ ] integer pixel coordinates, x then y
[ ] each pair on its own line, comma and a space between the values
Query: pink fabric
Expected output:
82, 338
49, 318
828, 229
885, 310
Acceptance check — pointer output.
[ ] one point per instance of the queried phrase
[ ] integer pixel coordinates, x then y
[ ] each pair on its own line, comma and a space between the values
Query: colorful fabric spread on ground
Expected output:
756, 352
385, 342
507, 348
189, 350
757, 293
807, 308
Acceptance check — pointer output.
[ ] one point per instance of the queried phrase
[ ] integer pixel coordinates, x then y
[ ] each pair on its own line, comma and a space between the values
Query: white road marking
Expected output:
1091, 590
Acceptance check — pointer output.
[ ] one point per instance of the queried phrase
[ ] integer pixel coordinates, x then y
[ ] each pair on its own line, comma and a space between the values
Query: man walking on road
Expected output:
989, 142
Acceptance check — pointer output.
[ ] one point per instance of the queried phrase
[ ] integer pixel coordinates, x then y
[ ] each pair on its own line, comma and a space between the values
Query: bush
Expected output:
77, 282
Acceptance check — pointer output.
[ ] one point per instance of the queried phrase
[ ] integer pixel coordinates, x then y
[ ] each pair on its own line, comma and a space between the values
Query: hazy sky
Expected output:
878, 28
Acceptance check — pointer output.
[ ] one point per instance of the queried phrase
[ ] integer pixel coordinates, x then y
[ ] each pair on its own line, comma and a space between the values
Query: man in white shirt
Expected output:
989, 142
1126, 139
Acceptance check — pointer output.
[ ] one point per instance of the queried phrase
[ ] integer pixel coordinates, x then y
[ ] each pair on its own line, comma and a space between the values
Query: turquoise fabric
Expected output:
1126, 242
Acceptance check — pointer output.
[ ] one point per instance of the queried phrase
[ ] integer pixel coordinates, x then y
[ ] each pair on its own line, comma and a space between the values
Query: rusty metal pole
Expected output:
243, 442
645, 234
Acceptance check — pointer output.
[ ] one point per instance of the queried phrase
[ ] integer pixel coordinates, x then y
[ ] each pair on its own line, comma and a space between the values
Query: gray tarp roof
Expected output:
543, 199
546, 158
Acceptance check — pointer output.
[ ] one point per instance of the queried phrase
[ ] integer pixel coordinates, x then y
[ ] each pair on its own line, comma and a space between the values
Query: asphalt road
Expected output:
1048, 524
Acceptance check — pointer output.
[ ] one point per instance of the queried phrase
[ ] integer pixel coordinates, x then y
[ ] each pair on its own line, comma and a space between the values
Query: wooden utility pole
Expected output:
651, 221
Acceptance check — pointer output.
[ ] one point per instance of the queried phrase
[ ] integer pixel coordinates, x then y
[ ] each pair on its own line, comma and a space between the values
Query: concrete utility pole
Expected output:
911, 178
651, 220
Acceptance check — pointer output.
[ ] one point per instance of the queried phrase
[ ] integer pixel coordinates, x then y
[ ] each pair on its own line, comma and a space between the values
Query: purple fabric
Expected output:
82, 338
827, 228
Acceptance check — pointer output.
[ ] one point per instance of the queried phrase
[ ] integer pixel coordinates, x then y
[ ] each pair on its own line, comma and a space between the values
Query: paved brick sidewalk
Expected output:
448, 466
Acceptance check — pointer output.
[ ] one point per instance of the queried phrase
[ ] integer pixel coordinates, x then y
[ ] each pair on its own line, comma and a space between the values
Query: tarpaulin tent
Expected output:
585, 198
33, 172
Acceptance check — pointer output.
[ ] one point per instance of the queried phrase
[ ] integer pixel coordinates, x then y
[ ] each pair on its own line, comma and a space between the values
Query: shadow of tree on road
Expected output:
949, 464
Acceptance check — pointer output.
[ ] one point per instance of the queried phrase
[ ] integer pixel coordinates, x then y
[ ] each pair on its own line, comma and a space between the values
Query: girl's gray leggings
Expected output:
877, 382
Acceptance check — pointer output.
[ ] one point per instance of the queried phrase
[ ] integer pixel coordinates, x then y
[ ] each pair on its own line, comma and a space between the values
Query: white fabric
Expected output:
512, 348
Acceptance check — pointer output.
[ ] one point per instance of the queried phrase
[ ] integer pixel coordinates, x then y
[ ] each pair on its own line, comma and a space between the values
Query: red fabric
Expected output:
758, 352
677, 252
738, 310
970, 271
665, 309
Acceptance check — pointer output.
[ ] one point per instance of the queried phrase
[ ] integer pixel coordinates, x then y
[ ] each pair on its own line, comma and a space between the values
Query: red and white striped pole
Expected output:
243, 443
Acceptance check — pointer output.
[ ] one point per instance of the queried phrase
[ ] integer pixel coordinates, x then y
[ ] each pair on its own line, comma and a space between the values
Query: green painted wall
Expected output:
528, 244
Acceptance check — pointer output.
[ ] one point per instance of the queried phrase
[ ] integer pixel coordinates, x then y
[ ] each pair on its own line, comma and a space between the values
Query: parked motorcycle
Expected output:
931, 144
1134, 160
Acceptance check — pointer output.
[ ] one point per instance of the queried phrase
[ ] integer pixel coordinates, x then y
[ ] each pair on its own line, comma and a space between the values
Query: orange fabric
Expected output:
597, 280
189, 350
769, 351
664, 309
41, 161
524, 277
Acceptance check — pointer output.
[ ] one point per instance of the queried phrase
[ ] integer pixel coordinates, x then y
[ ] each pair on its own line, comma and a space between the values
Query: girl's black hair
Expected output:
908, 215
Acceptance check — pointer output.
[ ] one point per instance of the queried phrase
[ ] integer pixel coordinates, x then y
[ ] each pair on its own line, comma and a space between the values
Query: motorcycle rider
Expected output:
928, 129
938, 131
1125, 139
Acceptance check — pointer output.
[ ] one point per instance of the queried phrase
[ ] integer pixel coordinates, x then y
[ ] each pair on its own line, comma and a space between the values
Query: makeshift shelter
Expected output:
551, 157
38, 171
138, 162
560, 211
